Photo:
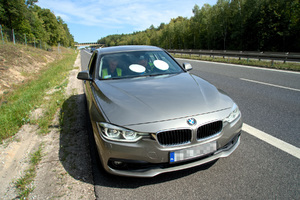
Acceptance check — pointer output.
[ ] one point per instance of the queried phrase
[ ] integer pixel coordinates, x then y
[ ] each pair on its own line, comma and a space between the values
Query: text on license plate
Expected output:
193, 152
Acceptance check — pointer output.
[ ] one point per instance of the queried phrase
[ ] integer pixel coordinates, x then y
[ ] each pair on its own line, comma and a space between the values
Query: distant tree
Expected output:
201, 27
222, 16
38, 24
51, 26
161, 26
13, 15
276, 24
236, 25
30, 2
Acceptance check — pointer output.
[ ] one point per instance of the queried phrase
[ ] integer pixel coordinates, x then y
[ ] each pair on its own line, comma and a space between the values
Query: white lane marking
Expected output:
284, 146
263, 83
243, 66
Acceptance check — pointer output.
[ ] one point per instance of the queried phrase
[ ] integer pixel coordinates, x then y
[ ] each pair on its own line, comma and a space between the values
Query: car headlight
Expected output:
235, 113
115, 133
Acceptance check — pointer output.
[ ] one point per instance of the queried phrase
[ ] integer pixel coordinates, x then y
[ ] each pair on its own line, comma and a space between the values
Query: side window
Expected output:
92, 64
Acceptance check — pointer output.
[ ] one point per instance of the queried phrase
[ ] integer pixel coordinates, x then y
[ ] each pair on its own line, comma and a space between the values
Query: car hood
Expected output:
153, 99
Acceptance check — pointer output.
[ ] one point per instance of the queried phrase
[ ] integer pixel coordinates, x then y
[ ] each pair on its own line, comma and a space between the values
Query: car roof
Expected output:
127, 48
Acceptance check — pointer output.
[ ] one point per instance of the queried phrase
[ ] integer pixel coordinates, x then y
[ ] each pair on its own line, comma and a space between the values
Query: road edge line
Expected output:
284, 146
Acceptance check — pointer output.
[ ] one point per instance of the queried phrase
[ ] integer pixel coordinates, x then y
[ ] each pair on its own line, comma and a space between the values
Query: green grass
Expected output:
251, 62
23, 184
18, 104
54, 102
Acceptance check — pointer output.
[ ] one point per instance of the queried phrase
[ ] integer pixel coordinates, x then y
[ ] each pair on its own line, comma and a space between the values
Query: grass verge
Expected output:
19, 103
54, 101
251, 62
23, 184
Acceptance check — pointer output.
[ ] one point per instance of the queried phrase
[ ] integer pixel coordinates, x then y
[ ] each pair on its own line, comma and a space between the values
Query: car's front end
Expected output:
176, 145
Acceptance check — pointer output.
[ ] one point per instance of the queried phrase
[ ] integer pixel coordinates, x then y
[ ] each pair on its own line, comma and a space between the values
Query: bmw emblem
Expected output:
192, 121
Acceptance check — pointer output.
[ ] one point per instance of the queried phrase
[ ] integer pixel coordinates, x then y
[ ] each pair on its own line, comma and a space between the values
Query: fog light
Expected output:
118, 163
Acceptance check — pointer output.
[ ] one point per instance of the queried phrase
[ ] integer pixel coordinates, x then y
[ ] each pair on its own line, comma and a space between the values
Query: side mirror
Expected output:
187, 66
84, 75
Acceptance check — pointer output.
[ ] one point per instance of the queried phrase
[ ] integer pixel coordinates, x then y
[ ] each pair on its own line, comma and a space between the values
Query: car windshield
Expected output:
137, 63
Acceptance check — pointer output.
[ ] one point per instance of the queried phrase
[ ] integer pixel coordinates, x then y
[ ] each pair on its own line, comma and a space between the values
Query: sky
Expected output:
90, 20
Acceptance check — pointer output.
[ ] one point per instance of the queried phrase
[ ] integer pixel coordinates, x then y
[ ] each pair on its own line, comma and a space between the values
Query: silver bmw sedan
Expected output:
150, 115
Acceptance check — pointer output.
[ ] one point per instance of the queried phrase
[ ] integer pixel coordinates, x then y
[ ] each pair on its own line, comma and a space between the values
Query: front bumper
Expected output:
147, 158
163, 168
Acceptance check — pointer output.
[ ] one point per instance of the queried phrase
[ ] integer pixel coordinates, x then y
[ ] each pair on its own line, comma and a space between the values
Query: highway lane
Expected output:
255, 170
265, 106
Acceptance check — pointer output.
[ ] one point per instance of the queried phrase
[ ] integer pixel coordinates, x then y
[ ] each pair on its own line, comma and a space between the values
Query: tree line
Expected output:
246, 25
24, 17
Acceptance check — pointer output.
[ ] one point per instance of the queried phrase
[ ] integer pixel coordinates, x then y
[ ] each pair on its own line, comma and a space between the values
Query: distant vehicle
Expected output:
92, 49
150, 115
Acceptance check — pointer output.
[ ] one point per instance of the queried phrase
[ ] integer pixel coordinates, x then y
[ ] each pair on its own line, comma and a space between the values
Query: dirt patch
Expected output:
14, 158
65, 170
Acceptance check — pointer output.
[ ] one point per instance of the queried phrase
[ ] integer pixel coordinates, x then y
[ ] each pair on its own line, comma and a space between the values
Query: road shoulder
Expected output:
65, 171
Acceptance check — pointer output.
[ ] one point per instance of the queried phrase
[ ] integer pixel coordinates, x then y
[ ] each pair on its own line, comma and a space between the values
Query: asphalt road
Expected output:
270, 102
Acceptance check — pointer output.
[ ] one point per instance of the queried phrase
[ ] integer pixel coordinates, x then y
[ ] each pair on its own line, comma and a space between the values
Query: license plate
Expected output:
193, 152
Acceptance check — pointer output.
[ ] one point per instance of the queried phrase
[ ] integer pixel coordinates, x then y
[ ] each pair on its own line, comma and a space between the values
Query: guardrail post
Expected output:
58, 47
286, 55
2, 34
25, 39
13, 35
259, 57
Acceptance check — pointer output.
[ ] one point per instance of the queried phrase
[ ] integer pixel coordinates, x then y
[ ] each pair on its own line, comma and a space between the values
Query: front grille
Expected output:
209, 129
175, 137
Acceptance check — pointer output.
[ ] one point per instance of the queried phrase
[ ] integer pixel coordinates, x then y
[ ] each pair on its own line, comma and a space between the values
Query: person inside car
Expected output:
113, 70
144, 61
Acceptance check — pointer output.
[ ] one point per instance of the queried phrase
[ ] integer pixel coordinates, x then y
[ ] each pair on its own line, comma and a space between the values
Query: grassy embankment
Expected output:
17, 104
250, 62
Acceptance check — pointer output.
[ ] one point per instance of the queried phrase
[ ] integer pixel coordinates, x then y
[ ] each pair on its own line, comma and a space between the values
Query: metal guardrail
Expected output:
284, 56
